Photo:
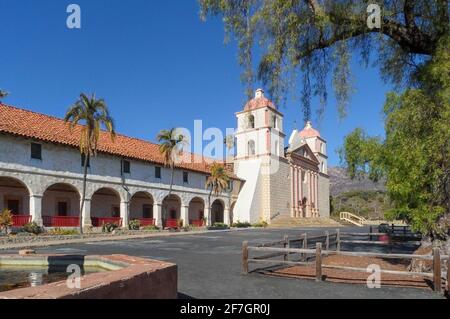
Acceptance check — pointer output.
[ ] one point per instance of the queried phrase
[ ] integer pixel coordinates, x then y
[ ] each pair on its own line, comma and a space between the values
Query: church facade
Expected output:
279, 180
41, 175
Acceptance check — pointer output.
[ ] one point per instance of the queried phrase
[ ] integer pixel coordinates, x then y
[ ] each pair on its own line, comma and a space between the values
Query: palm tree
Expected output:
3, 94
170, 147
217, 182
92, 114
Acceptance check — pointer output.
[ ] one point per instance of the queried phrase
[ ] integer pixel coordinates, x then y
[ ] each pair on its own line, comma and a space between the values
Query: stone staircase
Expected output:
286, 221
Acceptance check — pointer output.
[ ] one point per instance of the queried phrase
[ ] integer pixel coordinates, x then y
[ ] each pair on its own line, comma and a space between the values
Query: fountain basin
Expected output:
110, 277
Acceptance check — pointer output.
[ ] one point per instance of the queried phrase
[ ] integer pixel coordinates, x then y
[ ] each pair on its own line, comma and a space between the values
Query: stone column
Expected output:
86, 216
36, 209
185, 215
124, 213
157, 213
208, 216
2, 203
226, 216
292, 191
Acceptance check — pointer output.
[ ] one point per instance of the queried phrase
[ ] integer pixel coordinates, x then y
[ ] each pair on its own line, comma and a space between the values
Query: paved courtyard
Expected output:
210, 267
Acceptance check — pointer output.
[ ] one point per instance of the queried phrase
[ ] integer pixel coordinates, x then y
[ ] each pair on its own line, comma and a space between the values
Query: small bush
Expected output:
62, 232
5, 220
109, 227
218, 226
238, 224
33, 228
262, 224
151, 228
134, 224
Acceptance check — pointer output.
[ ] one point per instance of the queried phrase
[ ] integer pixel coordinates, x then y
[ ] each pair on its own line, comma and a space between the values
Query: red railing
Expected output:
196, 223
100, 221
172, 223
21, 220
146, 221
61, 221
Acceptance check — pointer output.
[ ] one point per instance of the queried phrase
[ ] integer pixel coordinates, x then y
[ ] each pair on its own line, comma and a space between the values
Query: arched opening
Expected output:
105, 207
171, 211
141, 208
251, 121
14, 196
251, 148
196, 212
217, 211
61, 206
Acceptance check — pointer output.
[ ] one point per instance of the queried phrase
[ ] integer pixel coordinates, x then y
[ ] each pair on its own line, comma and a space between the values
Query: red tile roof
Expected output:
258, 103
46, 128
309, 131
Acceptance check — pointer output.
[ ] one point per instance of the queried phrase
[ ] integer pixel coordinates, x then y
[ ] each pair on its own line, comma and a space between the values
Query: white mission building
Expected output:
41, 175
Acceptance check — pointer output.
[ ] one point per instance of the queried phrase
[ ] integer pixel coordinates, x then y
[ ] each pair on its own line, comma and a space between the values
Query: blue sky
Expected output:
156, 64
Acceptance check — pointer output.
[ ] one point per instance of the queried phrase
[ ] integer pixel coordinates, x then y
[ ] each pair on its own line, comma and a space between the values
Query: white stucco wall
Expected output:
62, 164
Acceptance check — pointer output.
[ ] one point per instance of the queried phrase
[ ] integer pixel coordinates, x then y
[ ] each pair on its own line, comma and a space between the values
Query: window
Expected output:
83, 158
62, 208
251, 121
230, 186
251, 151
185, 177
126, 167
115, 212
147, 211
13, 206
36, 151
157, 172
274, 122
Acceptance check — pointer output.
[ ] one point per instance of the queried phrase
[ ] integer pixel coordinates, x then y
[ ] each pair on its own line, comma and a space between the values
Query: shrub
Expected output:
218, 226
33, 228
109, 227
62, 232
151, 228
5, 220
238, 224
262, 224
384, 228
134, 224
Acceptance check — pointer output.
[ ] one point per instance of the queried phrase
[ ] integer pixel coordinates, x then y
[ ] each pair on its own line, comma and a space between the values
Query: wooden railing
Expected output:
323, 244
100, 221
353, 219
61, 221
147, 221
171, 223
196, 223
21, 220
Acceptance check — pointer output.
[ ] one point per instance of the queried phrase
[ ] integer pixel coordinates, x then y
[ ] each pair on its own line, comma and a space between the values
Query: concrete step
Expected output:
285, 221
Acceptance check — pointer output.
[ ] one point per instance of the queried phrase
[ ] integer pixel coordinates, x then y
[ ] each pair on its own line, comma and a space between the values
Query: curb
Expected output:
105, 239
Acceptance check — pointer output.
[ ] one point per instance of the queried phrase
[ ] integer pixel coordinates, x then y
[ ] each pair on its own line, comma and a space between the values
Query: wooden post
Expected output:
286, 245
319, 262
245, 257
305, 245
437, 270
327, 241
370, 231
448, 274
338, 239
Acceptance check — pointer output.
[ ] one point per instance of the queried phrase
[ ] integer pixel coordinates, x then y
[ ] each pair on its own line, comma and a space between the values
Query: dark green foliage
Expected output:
368, 204
109, 227
134, 224
306, 40
33, 228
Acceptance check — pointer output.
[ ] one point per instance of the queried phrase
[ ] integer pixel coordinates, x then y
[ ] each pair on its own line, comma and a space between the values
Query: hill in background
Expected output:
359, 196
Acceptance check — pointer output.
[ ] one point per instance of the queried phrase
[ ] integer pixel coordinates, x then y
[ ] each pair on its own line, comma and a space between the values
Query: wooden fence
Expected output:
322, 247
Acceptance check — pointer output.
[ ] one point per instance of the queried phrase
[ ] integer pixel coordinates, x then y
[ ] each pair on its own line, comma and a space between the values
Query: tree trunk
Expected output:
210, 208
170, 193
83, 197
